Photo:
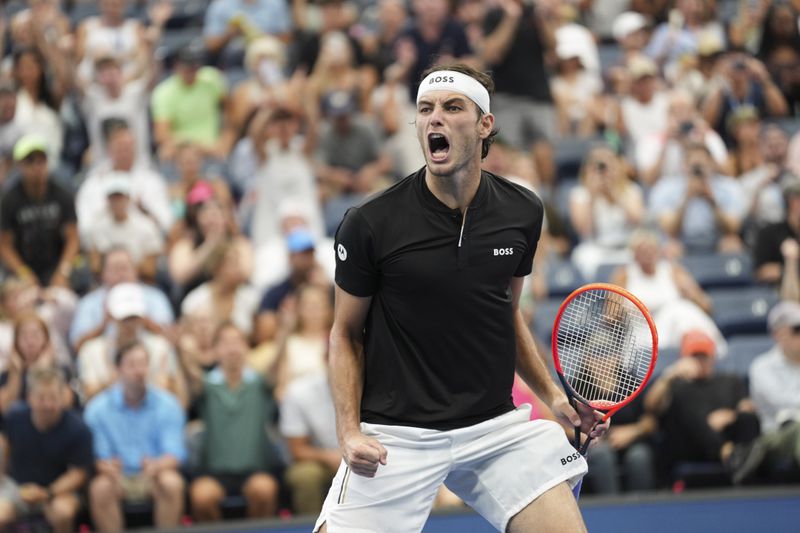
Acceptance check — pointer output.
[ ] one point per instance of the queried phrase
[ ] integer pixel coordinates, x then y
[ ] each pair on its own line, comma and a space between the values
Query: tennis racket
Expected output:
605, 347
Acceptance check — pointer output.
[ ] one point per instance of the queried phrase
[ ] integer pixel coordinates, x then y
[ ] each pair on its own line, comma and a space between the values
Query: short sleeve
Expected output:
292, 422
161, 102
67, 201
526, 263
7, 212
356, 270
82, 454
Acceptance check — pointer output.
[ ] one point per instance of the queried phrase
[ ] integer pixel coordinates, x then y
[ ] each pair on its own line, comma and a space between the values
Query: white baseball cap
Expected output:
126, 300
627, 23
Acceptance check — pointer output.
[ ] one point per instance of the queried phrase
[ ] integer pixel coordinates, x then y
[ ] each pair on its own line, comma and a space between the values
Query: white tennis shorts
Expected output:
497, 467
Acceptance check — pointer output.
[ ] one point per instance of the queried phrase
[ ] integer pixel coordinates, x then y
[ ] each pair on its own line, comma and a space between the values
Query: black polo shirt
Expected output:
439, 336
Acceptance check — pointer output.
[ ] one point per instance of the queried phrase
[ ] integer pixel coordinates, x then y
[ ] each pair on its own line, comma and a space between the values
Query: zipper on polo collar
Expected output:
463, 223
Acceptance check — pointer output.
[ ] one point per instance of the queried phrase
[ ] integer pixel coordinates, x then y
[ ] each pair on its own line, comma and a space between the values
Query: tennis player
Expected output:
427, 335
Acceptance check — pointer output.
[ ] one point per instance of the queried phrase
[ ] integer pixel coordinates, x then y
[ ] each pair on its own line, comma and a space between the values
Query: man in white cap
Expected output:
120, 225
427, 335
127, 308
630, 29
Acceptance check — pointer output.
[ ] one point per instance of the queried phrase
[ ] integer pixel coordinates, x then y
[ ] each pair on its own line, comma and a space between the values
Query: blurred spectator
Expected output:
127, 310
39, 98
50, 456
669, 291
379, 46
656, 10
762, 183
10, 130
572, 33
42, 25
148, 188
663, 153
190, 173
698, 73
228, 21
705, 415
266, 84
645, 108
235, 401
227, 295
631, 31
335, 71
793, 155
305, 328
303, 268
783, 65
307, 422
779, 30
743, 80
292, 213
679, 35
574, 89
625, 458
32, 352
603, 209
38, 234
114, 96
746, 30
91, 315
55, 305
519, 36
192, 105
287, 175
391, 109
196, 347
433, 37
209, 224
775, 389
700, 211
138, 444
350, 158
743, 127
335, 17
768, 249
122, 225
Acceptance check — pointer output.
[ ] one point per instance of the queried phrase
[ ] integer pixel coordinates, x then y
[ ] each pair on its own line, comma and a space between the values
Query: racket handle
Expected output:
576, 442
585, 447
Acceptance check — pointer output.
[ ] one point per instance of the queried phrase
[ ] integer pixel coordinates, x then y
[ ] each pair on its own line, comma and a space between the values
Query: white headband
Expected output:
450, 80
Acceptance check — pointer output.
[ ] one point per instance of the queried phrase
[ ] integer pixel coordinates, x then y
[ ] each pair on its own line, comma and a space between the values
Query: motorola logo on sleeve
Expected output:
341, 251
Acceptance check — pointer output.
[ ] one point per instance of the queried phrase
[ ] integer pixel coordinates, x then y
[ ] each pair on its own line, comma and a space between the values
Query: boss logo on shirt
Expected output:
503, 251
570, 459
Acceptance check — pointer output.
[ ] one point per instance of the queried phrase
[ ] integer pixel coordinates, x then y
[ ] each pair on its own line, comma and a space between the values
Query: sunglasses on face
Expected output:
796, 329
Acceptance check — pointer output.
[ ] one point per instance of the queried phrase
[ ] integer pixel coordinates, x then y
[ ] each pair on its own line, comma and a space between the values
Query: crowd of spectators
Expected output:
172, 172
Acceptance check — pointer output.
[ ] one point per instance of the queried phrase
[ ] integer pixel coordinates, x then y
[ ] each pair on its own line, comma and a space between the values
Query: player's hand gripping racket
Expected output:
605, 346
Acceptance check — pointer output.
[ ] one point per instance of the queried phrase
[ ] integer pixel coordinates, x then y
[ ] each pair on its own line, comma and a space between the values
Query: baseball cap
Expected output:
338, 103
697, 342
299, 240
640, 66
126, 300
29, 144
193, 53
785, 313
568, 50
118, 183
627, 23
199, 193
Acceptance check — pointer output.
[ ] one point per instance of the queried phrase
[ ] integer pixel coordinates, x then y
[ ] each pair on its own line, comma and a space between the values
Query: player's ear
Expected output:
485, 125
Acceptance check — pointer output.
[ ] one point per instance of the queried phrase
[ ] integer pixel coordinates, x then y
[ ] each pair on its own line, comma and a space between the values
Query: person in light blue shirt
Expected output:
701, 211
89, 319
227, 20
138, 445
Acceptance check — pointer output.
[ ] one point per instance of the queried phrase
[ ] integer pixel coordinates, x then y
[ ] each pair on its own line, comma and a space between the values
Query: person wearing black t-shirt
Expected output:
38, 232
518, 36
428, 333
50, 454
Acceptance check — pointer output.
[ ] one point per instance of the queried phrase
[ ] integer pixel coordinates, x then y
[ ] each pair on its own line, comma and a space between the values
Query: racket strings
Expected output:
604, 346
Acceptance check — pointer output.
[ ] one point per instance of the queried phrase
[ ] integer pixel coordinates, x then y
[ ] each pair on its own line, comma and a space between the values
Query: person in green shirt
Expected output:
191, 105
236, 406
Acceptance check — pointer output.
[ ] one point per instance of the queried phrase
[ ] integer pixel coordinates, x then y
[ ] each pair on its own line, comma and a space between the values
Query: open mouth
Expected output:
439, 146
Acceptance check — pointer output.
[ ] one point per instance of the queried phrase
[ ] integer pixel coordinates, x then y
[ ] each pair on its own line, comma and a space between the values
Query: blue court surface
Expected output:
727, 511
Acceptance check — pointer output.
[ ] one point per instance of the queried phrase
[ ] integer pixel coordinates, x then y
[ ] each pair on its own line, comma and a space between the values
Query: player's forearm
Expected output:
530, 365
346, 369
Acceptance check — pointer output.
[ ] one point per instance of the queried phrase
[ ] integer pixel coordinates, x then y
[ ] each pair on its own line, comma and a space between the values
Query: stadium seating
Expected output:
742, 310
742, 349
543, 316
562, 278
720, 270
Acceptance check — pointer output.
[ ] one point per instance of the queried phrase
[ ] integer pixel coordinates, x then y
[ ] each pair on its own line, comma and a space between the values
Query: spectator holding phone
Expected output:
700, 211
742, 80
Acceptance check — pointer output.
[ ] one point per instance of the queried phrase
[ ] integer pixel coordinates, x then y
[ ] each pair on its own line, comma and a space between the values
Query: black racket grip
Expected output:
577, 440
